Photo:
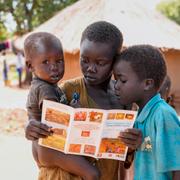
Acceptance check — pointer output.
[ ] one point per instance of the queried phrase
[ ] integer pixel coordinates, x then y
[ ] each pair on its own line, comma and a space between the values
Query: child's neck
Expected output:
36, 77
147, 97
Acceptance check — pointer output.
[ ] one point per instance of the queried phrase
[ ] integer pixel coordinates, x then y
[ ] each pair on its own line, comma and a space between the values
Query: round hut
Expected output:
139, 22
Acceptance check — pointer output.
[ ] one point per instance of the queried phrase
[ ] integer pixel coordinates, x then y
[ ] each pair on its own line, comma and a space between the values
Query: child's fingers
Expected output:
133, 131
31, 138
35, 130
133, 134
36, 133
130, 144
34, 123
40, 131
131, 139
35, 136
127, 135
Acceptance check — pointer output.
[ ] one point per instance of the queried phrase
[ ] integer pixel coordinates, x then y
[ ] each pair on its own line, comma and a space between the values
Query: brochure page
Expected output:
110, 146
85, 132
57, 116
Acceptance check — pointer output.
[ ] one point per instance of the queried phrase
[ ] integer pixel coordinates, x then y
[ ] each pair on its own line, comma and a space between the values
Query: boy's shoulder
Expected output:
164, 113
164, 107
158, 112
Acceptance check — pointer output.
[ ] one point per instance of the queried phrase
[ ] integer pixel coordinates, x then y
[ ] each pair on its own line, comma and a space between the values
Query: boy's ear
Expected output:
149, 84
29, 66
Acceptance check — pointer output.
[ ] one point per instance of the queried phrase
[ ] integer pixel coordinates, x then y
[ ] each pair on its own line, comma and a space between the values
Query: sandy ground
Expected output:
16, 160
12, 97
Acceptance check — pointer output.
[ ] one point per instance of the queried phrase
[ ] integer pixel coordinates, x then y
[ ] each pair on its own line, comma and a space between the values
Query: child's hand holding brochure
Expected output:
87, 132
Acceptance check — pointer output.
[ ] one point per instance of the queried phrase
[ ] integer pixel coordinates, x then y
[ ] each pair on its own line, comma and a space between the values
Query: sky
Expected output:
11, 25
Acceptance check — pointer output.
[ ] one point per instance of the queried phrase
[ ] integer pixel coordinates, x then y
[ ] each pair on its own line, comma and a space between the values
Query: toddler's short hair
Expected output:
34, 41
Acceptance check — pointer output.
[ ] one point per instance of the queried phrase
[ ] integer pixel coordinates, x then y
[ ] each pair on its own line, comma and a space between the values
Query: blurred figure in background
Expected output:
19, 67
165, 89
5, 69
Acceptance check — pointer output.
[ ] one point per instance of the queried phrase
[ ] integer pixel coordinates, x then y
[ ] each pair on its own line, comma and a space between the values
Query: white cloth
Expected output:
19, 62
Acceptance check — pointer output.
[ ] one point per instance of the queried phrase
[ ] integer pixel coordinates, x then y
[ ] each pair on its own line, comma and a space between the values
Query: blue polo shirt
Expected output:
159, 154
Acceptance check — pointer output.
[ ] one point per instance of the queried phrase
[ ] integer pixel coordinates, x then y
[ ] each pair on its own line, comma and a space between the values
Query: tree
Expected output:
3, 32
30, 13
171, 9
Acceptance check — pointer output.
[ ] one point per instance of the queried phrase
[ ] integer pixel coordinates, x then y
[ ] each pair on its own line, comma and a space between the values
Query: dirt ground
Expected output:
15, 152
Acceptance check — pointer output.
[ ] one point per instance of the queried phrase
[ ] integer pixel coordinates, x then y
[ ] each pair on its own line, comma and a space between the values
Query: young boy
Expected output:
139, 72
100, 43
44, 57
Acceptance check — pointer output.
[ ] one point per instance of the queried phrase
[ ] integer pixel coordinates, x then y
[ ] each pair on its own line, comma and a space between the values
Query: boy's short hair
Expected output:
147, 62
104, 32
34, 41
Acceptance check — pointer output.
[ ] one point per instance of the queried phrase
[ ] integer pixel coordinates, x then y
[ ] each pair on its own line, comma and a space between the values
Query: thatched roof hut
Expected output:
138, 22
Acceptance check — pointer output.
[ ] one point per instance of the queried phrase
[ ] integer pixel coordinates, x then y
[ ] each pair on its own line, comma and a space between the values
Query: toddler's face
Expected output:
128, 87
96, 61
49, 66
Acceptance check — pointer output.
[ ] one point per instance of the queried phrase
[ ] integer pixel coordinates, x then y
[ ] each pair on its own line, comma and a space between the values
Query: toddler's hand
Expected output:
131, 137
35, 130
75, 103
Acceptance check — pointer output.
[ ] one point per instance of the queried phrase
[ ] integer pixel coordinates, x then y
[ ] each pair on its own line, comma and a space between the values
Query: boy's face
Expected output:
96, 61
128, 87
48, 65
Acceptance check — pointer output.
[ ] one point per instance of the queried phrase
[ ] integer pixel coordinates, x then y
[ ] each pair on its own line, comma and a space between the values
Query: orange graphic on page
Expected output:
120, 116
80, 116
76, 148
89, 149
129, 116
111, 116
57, 116
85, 133
95, 116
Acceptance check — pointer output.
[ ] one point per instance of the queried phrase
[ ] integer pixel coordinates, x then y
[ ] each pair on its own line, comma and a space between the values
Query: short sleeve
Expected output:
48, 93
167, 143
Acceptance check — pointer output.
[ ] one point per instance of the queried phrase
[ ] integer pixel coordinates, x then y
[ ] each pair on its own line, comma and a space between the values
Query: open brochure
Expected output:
87, 132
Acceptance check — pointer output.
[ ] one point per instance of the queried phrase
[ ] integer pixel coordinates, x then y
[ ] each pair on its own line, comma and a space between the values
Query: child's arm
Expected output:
35, 129
77, 165
132, 138
176, 175
51, 158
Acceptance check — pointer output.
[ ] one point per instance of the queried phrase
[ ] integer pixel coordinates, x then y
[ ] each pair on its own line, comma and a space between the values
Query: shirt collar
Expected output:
147, 108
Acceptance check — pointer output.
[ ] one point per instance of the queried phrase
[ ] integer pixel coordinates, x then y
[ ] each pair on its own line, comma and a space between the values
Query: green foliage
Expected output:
3, 32
28, 14
171, 9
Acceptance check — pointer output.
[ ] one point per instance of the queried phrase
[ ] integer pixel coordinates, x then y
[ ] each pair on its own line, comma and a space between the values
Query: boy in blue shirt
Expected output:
139, 72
